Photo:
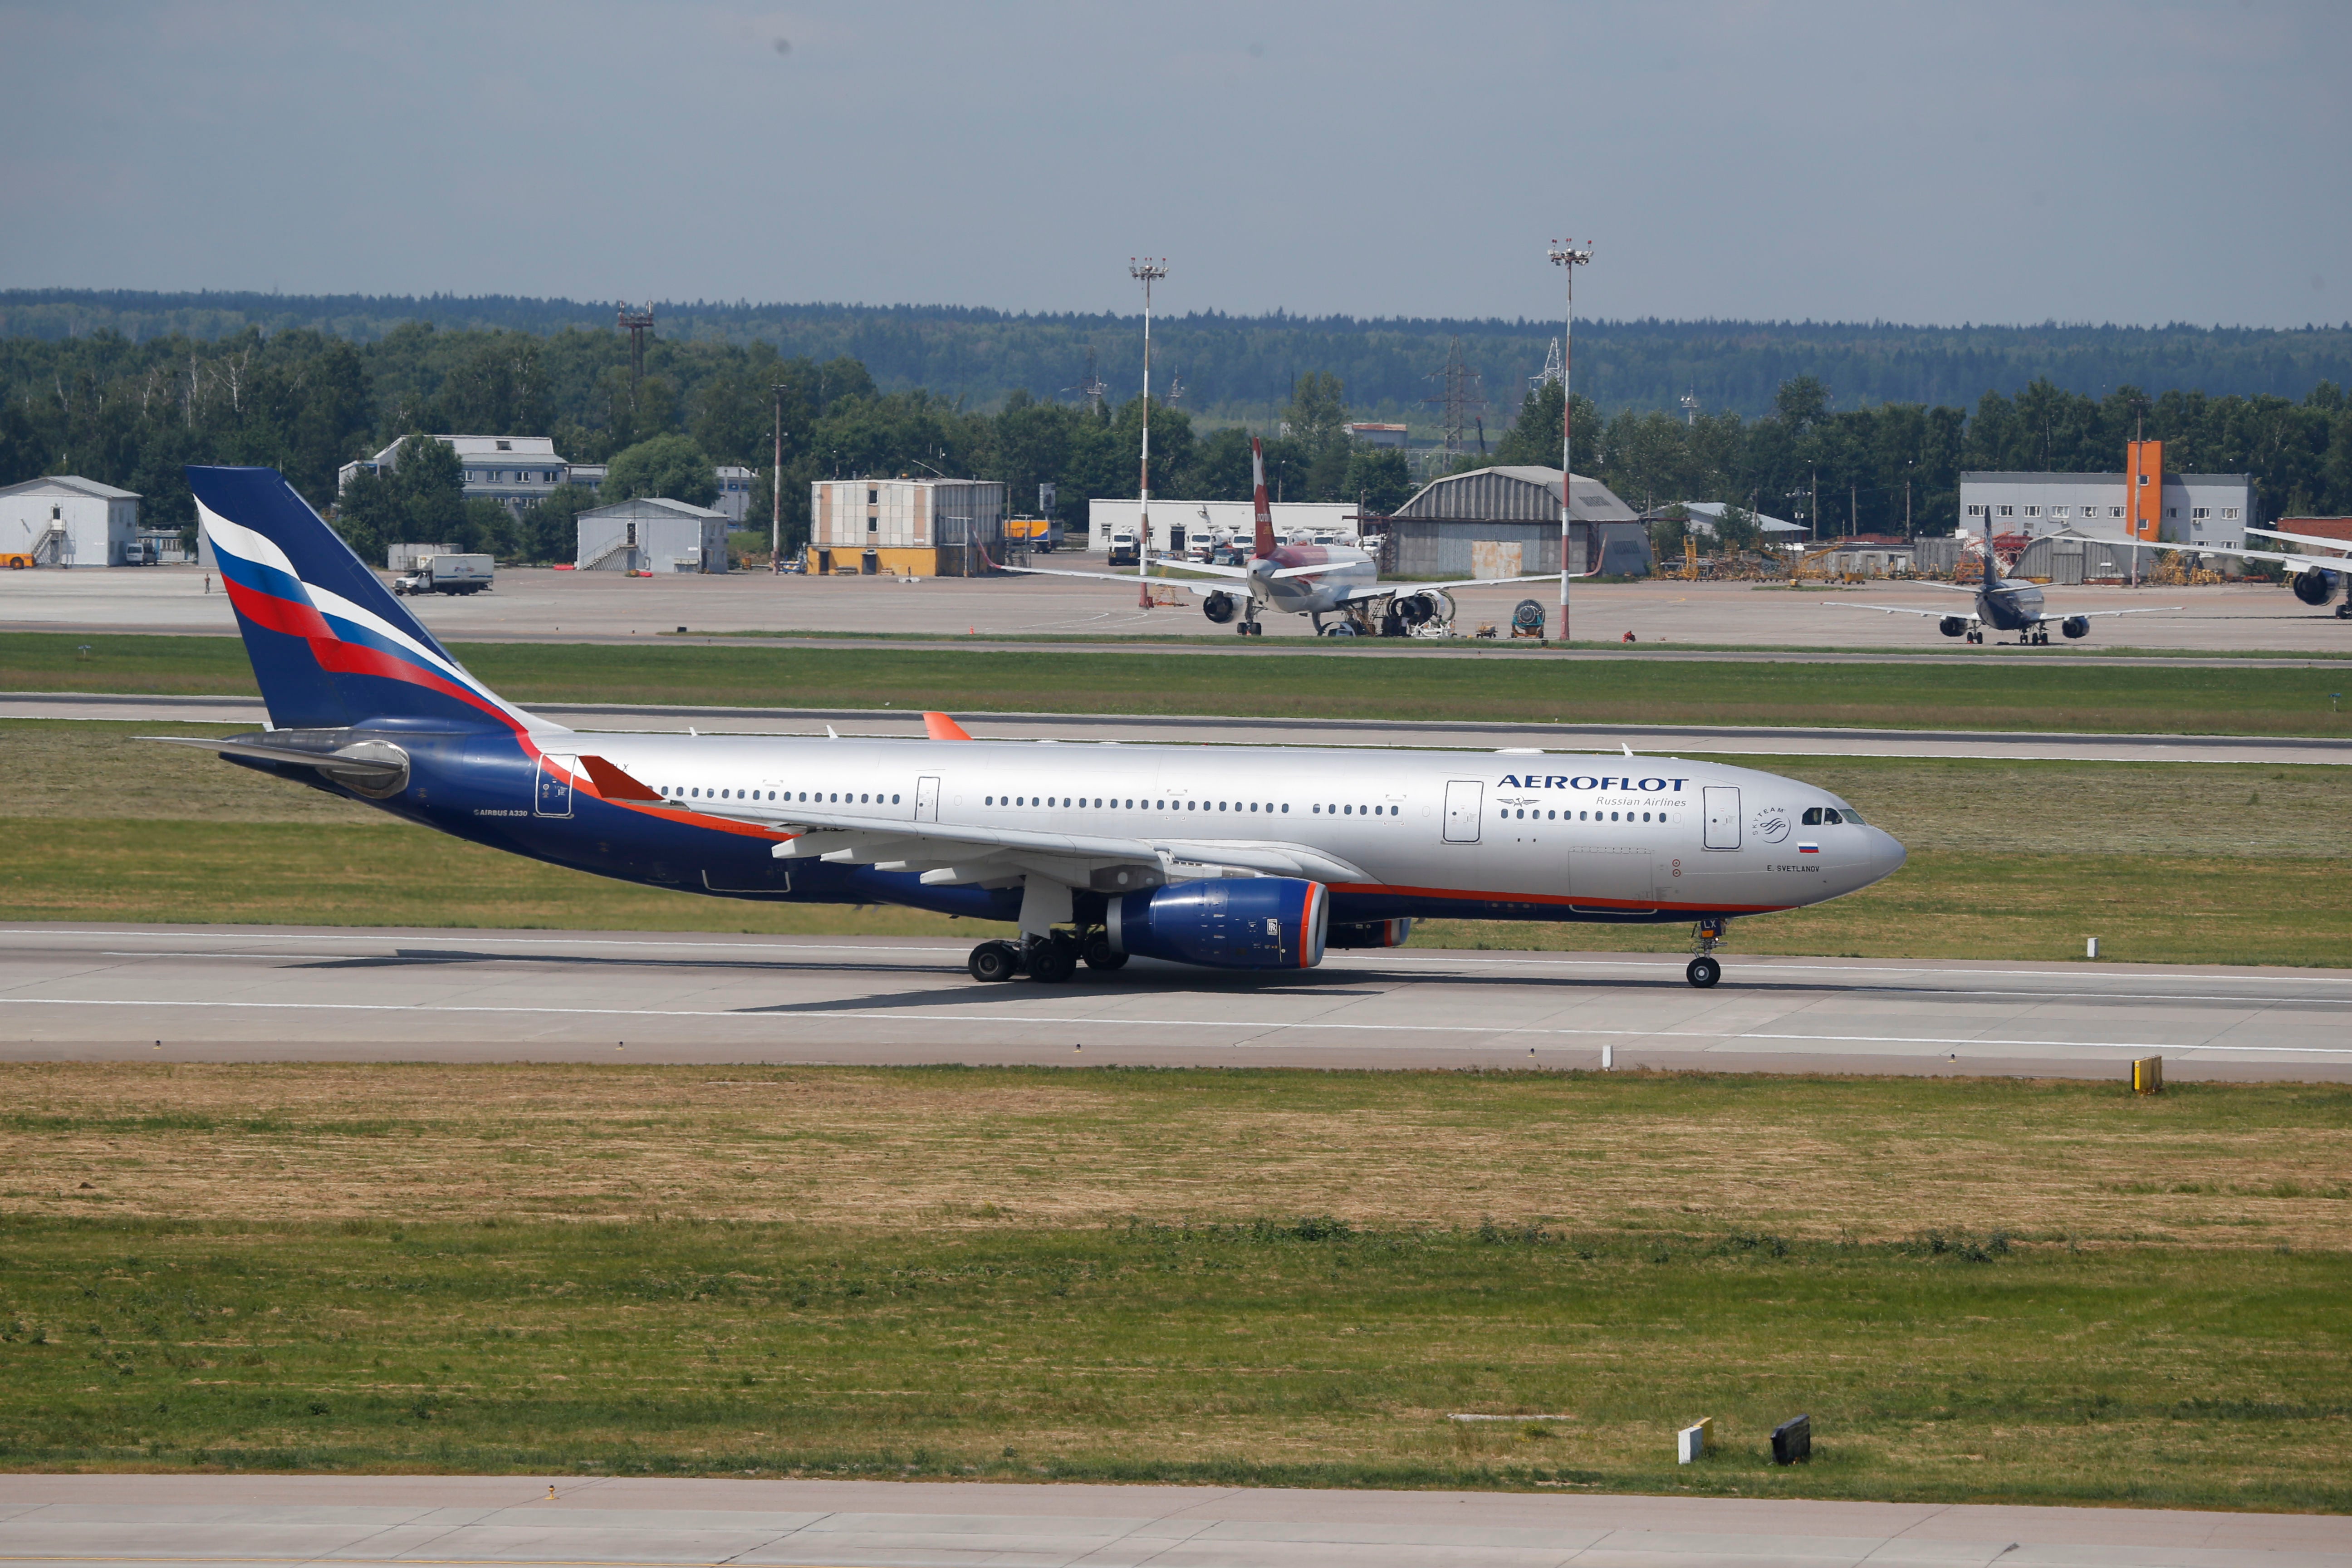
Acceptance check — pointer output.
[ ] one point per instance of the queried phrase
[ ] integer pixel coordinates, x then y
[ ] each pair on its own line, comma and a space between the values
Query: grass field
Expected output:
1979, 1291
1753, 690
2171, 863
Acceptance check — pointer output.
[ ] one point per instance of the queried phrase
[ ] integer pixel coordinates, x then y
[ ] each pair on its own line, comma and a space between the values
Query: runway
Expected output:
1690, 740
101, 993
529, 1522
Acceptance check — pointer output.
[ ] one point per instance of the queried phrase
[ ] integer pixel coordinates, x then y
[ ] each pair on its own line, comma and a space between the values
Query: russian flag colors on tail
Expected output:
331, 648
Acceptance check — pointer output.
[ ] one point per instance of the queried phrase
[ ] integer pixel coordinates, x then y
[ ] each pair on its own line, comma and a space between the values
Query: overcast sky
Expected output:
2101, 161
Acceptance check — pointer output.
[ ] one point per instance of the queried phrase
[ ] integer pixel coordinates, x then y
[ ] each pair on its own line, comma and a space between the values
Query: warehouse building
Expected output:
652, 534
911, 528
2186, 509
735, 485
67, 521
516, 471
1505, 522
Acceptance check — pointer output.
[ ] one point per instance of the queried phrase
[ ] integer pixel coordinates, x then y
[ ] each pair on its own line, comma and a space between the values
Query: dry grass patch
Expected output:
1872, 1159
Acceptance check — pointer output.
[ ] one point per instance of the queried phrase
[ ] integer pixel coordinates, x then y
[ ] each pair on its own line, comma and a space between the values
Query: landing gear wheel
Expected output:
1052, 962
1704, 972
992, 961
1099, 955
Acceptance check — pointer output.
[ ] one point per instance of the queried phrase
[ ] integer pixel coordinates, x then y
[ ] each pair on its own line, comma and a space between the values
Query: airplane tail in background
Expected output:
331, 648
1265, 512
1991, 564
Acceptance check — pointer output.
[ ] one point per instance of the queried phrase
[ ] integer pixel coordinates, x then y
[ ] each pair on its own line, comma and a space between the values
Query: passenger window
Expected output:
1285, 806
1812, 817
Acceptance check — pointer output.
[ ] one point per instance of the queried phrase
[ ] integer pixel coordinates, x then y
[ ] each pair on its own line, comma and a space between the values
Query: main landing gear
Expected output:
1049, 961
1705, 969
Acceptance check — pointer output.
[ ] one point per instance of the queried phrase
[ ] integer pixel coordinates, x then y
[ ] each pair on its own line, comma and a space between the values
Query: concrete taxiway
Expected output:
538, 605
162, 1521
106, 992
1694, 740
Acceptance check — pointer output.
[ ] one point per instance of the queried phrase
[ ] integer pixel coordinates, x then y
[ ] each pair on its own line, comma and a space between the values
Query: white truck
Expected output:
446, 574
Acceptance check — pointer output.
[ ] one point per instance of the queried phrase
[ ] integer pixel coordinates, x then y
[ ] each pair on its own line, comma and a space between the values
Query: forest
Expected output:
131, 413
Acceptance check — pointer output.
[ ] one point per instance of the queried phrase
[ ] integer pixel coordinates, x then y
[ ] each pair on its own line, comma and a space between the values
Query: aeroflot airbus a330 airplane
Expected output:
1232, 858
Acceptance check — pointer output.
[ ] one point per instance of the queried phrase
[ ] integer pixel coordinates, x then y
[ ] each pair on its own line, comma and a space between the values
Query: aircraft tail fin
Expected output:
1991, 565
1265, 512
331, 648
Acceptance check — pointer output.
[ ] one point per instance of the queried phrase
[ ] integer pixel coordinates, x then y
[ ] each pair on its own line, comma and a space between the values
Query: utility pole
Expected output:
1568, 258
1852, 505
776, 512
1146, 272
1814, 521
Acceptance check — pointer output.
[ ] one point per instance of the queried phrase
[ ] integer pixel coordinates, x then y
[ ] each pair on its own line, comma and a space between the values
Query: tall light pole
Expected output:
1568, 258
1147, 272
776, 506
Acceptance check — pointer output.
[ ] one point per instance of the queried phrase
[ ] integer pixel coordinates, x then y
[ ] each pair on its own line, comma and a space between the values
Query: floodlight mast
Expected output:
1146, 271
1568, 258
776, 503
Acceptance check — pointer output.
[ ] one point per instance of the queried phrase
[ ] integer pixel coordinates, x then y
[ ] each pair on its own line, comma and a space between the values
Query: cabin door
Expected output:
1465, 804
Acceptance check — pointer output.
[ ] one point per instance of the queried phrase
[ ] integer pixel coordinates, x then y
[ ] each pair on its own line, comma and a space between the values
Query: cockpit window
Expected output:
1850, 814
1812, 817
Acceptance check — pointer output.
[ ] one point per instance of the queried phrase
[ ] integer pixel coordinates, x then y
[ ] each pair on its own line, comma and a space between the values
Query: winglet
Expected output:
615, 784
939, 727
1627, 750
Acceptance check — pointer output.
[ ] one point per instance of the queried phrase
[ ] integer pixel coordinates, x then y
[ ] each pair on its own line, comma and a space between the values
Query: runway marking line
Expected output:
1866, 990
1100, 1022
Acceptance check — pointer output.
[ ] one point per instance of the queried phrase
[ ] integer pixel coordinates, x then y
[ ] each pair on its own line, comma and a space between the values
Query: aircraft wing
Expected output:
1196, 585
1383, 590
2086, 614
1889, 609
958, 853
2337, 544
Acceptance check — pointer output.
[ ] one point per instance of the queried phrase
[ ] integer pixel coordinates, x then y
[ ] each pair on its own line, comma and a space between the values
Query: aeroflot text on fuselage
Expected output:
1588, 781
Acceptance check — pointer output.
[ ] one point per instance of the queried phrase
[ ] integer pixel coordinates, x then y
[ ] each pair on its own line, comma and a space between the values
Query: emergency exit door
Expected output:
1465, 804
926, 800
553, 795
1722, 817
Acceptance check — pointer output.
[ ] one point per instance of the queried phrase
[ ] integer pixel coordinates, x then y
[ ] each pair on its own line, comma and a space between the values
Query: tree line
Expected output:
307, 401
1242, 367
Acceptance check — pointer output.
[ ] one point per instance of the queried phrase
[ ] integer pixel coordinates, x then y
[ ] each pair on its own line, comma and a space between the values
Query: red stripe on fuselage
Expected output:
1560, 898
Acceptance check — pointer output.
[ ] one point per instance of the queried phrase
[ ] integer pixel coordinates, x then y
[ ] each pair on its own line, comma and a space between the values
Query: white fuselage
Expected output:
1558, 834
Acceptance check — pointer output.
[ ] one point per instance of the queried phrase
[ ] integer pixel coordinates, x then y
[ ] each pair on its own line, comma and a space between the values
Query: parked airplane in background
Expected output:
1313, 580
2317, 578
2003, 607
1226, 857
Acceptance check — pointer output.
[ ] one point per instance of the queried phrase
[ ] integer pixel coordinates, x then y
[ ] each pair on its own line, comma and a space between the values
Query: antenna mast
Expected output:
1568, 258
1147, 272
637, 324
1460, 398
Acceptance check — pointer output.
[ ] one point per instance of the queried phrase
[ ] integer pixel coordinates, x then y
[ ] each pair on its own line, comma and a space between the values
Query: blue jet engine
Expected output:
1246, 923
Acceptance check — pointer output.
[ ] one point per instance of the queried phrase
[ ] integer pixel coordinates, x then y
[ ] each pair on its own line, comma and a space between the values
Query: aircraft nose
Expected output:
1886, 854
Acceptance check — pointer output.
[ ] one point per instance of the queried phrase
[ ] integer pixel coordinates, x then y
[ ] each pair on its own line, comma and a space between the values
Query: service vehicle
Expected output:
447, 573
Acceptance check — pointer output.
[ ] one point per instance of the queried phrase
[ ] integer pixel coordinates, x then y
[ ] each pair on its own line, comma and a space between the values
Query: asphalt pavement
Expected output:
541, 1521
123, 993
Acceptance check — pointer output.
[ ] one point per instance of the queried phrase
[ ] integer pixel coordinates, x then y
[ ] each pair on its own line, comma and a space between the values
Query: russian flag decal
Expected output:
1808, 849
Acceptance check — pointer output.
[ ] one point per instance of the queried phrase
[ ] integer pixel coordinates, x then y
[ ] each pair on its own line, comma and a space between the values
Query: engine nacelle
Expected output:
1240, 922
1220, 607
1420, 609
1369, 933
2075, 626
2314, 587
1952, 625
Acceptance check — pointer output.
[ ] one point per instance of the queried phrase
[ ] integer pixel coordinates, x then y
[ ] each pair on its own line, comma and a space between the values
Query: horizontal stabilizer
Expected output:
615, 784
359, 767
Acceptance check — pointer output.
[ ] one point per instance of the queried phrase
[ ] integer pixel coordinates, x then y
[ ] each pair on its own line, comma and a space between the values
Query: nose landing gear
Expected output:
1706, 969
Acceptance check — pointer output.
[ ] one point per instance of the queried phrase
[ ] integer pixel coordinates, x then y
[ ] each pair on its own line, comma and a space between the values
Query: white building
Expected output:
652, 534
1775, 531
2196, 509
735, 491
67, 521
1175, 524
516, 471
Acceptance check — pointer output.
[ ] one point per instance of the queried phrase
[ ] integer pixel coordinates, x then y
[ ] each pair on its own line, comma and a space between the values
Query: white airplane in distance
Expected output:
2317, 579
1312, 580
2003, 607
1258, 858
